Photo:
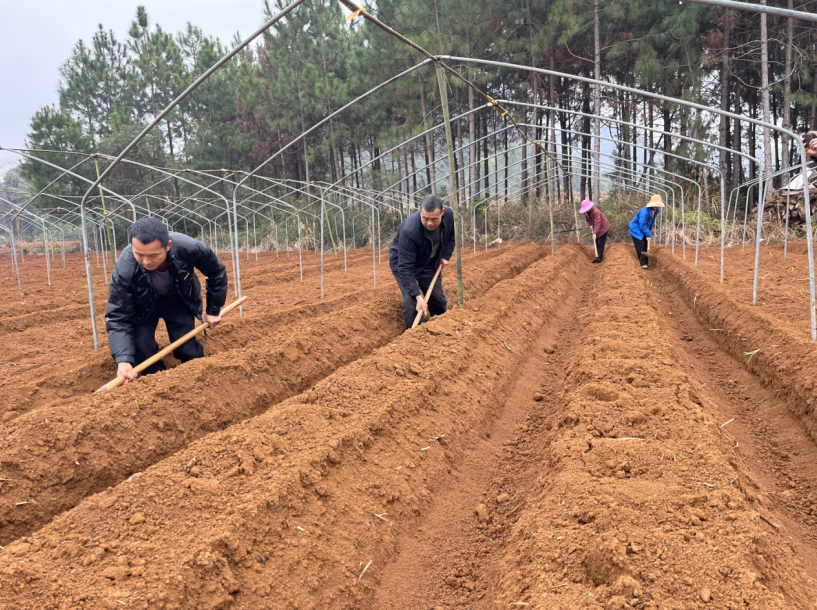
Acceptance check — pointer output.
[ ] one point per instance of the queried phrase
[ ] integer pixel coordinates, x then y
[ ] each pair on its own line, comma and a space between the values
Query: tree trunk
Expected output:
787, 90
461, 171
724, 121
552, 104
667, 139
486, 169
597, 104
813, 120
737, 137
429, 151
765, 91
585, 147
506, 158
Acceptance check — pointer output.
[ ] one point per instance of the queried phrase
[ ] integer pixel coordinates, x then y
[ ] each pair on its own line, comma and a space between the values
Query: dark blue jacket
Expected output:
411, 249
642, 222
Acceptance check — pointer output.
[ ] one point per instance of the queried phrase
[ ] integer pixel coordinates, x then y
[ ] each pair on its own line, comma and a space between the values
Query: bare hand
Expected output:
422, 305
125, 369
443, 262
211, 320
594, 236
811, 148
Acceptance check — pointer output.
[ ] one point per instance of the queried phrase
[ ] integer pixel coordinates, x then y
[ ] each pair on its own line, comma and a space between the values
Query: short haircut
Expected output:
432, 203
148, 230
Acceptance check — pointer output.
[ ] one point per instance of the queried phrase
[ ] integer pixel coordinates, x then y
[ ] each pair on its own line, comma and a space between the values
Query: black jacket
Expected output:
132, 297
411, 249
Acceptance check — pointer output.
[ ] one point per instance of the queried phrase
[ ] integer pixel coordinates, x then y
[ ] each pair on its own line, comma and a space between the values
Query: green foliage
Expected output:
315, 62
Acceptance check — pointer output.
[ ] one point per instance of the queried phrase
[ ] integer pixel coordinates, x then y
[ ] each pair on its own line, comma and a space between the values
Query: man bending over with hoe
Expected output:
424, 241
155, 278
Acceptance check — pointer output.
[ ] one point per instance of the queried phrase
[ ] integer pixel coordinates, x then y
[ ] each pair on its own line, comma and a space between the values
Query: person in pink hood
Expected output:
599, 224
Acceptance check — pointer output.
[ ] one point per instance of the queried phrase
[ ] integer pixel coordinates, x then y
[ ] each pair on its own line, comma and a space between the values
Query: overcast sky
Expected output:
36, 37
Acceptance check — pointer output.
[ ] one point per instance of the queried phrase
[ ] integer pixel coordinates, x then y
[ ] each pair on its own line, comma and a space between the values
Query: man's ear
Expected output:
169, 243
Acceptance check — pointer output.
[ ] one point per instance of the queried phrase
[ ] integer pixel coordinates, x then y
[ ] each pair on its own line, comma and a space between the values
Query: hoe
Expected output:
200, 328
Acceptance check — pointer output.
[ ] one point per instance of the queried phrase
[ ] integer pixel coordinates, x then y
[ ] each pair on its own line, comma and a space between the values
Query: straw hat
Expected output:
586, 205
655, 202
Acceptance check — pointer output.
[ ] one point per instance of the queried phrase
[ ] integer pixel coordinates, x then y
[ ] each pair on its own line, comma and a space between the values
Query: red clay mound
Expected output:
641, 503
279, 511
58, 456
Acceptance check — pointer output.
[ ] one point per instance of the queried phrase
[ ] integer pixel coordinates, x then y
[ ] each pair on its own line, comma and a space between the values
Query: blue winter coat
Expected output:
642, 222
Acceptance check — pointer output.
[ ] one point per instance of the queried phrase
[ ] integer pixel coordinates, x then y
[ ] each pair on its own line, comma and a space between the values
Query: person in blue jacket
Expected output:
641, 227
424, 241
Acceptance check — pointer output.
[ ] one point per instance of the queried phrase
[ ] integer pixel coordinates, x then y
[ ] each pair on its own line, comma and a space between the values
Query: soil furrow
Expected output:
641, 501
40, 385
777, 354
286, 510
56, 457
775, 449
454, 554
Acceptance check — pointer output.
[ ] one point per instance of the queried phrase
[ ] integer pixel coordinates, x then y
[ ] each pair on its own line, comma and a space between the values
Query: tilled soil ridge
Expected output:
50, 459
781, 359
640, 504
300, 506
31, 381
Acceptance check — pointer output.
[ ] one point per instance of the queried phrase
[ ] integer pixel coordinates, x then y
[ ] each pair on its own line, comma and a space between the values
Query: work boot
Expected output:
645, 266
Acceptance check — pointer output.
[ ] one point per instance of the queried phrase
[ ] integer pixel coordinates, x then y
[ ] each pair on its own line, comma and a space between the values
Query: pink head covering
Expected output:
586, 205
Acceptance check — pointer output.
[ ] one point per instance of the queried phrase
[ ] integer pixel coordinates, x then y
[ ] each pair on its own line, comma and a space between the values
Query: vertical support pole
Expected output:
84, 231
374, 248
452, 179
105, 219
14, 252
300, 250
683, 225
22, 241
672, 224
486, 225
698, 229
786, 233
761, 200
550, 203
723, 222
104, 254
236, 254
323, 211
254, 237
47, 261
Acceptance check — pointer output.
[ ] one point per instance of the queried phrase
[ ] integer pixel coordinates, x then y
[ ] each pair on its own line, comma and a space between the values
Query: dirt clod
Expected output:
482, 513
137, 519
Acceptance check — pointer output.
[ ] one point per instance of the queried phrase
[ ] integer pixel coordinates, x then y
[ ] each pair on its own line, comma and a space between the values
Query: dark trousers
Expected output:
640, 248
437, 303
179, 321
600, 241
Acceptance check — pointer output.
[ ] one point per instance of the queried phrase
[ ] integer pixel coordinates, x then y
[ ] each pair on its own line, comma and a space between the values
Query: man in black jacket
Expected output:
155, 278
424, 240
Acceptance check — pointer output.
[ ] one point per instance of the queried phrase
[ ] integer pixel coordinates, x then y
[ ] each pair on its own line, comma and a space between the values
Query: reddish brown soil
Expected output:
59, 455
782, 289
28, 379
554, 445
561, 510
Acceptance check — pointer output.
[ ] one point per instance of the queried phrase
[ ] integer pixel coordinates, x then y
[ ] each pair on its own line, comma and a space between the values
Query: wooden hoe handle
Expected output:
114, 383
595, 247
428, 294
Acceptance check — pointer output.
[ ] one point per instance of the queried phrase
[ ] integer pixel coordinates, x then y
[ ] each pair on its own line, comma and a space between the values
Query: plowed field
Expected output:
576, 437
